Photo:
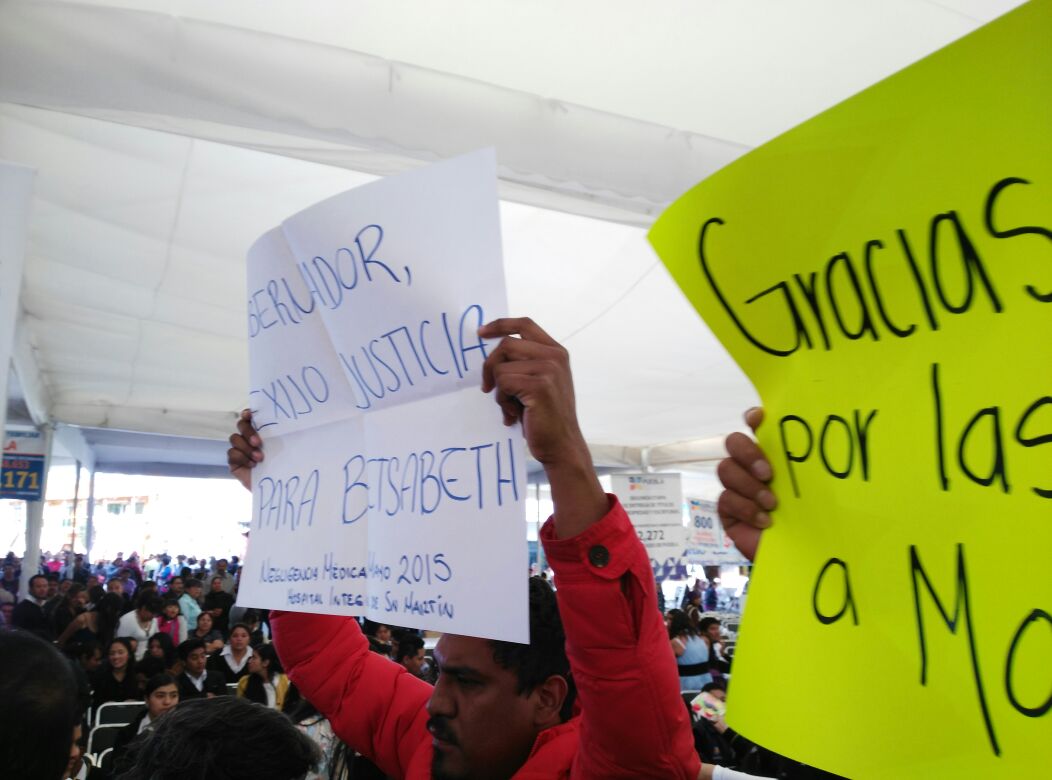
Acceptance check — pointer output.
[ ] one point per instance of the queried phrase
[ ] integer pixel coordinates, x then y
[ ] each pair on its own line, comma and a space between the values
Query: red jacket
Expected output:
633, 723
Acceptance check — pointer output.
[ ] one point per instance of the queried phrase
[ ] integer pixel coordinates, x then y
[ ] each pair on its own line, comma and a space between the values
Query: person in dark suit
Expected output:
29, 613
162, 694
196, 681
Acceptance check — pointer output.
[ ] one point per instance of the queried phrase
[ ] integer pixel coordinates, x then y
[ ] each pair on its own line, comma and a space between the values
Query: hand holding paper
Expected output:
747, 499
246, 450
532, 377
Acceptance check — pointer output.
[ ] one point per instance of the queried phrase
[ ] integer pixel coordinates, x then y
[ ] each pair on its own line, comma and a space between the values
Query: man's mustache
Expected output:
439, 728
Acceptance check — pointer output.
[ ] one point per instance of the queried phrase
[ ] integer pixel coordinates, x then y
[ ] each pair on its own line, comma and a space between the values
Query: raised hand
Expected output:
531, 374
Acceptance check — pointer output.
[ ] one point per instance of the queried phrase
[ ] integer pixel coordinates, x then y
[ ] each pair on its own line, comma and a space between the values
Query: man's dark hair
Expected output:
545, 655
408, 646
150, 601
158, 681
225, 738
192, 582
187, 647
703, 626
36, 577
86, 648
245, 626
370, 627
713, 686
167, 648
39, 711
679, 623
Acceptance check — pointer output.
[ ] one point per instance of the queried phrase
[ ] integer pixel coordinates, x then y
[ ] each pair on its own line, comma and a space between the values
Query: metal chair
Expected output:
119, 713
103, 737
104, 761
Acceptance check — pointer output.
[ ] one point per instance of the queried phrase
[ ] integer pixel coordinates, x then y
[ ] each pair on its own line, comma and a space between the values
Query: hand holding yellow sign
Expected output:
883, 274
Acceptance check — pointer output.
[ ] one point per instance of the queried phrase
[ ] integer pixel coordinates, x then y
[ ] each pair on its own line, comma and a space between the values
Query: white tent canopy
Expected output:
168, 135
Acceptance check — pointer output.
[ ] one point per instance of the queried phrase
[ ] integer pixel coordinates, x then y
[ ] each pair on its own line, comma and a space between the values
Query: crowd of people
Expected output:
152, 634
600, 690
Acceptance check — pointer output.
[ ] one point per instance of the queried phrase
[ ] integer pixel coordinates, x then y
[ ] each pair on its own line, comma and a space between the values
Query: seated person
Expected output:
140, 623
78, 768
171, 622
266, 682
232, 660
709, 628
379, 636
160, 657
190, 602
196, 680
207, 633
116, 679
162, 694
410, 654
85, 659
225, 737
218, 603
691, 652
258, 631
498, 708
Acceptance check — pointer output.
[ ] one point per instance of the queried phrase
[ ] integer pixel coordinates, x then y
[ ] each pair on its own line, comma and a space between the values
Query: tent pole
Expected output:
76, 499
89, 529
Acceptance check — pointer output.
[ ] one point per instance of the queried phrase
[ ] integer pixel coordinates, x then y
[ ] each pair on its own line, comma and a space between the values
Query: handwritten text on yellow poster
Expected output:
883, 274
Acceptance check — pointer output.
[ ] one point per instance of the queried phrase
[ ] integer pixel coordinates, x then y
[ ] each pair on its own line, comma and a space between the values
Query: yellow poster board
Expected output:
883, 274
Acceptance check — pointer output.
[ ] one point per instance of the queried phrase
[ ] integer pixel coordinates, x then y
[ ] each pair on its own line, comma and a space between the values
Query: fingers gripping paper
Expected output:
390, 487
883, 273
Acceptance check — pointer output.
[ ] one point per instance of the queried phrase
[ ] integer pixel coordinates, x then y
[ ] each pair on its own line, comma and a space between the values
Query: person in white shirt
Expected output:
141, 623
232, 662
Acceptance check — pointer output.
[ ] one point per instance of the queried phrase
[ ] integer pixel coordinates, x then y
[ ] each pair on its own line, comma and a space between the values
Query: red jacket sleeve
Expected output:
373, 705
633, 720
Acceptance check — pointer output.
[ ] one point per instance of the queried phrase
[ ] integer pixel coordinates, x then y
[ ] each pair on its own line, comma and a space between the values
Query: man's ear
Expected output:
549, 697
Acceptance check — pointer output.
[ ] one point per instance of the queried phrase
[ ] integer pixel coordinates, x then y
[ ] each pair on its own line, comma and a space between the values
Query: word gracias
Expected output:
845, 309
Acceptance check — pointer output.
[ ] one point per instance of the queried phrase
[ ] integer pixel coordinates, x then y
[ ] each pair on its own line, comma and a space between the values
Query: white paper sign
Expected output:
391, 487
654, 503
707, 544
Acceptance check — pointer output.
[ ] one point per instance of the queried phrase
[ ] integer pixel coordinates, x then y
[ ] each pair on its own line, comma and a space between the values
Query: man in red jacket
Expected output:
501, 710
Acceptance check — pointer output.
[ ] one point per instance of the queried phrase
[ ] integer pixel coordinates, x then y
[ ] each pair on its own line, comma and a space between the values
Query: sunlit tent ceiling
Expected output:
168, 135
